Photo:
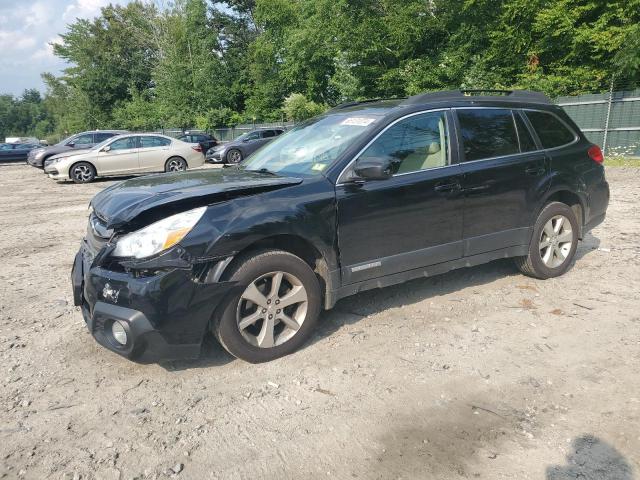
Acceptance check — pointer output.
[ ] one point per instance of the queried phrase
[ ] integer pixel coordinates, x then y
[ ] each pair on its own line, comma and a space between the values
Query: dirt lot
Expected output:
479, 373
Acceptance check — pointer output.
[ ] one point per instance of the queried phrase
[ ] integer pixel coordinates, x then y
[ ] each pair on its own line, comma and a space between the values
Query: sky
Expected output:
27, 28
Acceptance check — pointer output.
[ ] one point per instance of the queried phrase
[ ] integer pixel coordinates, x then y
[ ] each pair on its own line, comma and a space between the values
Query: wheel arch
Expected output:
294, 244
574, 200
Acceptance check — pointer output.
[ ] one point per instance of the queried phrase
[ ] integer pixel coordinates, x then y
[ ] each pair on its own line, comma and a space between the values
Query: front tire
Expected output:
553, 243
82, 172
175, 164
275, 311
234, 156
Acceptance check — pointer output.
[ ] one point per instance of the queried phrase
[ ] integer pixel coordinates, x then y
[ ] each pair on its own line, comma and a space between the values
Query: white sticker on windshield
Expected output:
358, 121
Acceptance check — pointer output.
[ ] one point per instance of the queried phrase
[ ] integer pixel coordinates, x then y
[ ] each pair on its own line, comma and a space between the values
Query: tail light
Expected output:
595, 154
197, 148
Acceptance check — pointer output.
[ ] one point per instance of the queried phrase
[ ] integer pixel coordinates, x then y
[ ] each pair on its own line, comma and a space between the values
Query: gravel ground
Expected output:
479, 373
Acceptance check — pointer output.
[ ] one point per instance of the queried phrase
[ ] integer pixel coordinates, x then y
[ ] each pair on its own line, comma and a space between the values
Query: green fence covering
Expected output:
613, 123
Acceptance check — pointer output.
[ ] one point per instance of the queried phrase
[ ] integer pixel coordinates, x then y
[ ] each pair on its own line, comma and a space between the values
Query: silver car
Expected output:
125, 155
79, 141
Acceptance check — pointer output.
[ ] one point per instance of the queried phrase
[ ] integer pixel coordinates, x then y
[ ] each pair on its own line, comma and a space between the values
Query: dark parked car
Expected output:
206, 141
243, 146
367, 195
16, 151
80, 141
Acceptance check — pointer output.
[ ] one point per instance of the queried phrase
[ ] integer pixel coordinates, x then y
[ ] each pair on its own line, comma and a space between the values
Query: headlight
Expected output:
53, 161
158, 236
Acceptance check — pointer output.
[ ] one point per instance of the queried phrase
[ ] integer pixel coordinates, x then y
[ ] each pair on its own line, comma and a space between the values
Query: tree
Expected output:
110, 56
297, 107
206, 63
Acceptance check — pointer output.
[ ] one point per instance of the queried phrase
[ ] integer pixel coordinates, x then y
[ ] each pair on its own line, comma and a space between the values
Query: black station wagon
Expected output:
367, 195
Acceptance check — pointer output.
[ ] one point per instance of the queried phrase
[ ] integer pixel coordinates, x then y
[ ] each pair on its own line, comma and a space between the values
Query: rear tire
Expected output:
553, 243
175, 164
285, 310
82, 172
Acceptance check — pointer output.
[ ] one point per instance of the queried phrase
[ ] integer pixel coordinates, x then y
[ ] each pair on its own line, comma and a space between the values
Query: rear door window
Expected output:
148, 142
526, 141
551, 131
487, 133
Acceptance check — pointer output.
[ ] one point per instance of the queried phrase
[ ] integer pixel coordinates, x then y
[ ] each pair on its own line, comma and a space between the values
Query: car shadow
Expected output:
211, 355
588, 244
352, 309
592, 459
99, 180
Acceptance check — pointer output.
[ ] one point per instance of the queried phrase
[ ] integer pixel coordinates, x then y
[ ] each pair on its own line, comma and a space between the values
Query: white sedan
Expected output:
127, 154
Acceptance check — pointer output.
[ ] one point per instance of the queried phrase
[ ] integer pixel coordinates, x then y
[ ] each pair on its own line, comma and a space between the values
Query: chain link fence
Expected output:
226, 134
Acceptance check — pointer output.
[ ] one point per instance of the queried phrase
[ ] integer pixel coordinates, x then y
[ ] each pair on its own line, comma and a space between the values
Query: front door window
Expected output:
123, 143
416, 143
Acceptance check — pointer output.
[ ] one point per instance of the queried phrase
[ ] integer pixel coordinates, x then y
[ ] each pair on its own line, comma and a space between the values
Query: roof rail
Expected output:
359, 102
513, 95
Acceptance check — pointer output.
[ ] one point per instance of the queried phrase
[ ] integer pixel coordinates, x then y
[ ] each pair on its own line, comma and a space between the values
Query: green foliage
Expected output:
110, 57
24, 116
207, 64
141, 112
297, 107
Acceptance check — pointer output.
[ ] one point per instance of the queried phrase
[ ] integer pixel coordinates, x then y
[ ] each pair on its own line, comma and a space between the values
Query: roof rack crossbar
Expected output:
515, 95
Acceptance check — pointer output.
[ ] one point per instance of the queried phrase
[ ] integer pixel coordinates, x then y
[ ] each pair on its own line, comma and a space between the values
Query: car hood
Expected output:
142, 200
70, 153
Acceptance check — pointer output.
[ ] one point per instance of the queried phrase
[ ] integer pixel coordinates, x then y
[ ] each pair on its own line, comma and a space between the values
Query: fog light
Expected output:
119, 333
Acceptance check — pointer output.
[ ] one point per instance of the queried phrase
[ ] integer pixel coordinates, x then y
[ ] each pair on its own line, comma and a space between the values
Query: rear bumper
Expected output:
598, 204
165, 315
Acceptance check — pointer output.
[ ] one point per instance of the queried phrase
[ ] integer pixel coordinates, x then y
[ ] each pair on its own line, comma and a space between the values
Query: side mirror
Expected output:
374, 168
106, 148
71, 144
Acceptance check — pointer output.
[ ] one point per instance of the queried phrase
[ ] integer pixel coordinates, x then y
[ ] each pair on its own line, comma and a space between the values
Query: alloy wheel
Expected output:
235, 156
82, 173
176, 165
556, 240
272, 309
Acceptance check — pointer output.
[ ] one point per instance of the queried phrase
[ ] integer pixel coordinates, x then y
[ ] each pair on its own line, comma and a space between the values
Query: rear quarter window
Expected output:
551, 131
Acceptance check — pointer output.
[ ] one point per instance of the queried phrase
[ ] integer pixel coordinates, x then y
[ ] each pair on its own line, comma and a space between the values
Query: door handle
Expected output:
447, 187
535, 170
478, 188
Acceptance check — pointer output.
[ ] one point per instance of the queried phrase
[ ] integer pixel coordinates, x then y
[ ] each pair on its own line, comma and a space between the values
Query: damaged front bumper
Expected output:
165, 313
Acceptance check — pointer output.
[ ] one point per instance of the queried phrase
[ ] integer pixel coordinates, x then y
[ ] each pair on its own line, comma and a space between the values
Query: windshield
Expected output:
66, 140
104, 142
309, 148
